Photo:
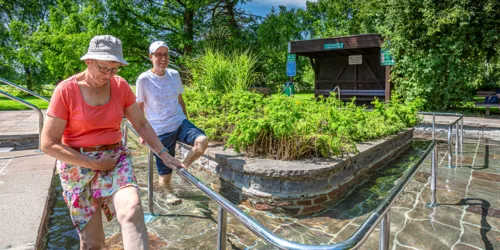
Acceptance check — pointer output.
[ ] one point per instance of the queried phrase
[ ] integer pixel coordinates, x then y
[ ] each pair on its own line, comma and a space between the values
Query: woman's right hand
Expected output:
171, 161
106, 162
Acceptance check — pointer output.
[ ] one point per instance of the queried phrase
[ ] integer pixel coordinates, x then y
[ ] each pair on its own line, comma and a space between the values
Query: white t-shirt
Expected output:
160, 96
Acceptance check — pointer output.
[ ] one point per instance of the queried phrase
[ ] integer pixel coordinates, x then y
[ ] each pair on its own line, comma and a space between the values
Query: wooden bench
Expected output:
262, 90
486, 105
360, 94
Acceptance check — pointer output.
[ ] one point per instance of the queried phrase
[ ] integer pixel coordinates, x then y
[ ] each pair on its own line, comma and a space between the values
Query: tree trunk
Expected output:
188, 30
233, 26
27, 73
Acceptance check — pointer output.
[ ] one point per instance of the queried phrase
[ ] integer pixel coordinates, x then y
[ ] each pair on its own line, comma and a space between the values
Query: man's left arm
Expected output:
183, 105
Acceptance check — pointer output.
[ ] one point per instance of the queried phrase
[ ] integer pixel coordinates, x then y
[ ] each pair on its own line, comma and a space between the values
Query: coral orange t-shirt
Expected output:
90, 126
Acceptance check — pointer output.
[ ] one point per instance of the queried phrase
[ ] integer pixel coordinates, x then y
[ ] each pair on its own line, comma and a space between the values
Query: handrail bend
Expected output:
459, 132
35, 108
354, 241
24, 89
338, 91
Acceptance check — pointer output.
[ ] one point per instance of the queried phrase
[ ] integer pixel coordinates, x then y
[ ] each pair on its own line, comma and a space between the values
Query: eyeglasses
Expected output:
160, 55
106, 69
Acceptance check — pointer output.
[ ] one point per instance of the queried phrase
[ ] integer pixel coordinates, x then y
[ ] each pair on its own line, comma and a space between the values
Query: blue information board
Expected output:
385, 58
291, 68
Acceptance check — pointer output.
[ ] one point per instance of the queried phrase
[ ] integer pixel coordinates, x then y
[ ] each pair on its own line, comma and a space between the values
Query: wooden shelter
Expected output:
351, 63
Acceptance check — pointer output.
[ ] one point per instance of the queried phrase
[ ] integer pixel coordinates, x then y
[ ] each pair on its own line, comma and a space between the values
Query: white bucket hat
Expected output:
156, 45
105, 48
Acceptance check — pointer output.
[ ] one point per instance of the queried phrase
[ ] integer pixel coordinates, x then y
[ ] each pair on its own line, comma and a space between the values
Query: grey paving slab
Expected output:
23, 122
25, 182
468, 121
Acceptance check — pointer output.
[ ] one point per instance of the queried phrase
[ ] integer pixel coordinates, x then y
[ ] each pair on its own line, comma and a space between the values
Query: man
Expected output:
159, 94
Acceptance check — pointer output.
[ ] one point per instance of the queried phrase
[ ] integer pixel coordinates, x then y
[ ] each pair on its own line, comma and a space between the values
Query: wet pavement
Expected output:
467, 215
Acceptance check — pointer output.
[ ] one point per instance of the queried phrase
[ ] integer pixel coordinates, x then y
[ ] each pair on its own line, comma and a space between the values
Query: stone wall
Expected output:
300, 187
19, 142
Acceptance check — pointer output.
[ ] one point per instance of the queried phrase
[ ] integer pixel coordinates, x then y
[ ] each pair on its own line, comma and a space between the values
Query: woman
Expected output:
82, 131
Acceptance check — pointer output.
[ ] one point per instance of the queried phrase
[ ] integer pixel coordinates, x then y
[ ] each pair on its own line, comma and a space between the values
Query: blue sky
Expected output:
262, 7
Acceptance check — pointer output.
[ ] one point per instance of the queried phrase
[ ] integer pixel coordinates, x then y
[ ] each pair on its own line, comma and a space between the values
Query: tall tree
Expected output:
444, 49
20, 20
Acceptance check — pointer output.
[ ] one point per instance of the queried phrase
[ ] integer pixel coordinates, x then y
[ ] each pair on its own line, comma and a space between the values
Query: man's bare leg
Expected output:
200, 145
166, 181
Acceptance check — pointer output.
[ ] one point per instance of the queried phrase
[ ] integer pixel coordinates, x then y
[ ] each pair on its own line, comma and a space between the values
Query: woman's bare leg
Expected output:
131, 218
92, 235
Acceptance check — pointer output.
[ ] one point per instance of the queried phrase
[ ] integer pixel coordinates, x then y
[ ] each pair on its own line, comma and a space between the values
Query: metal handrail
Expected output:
40, 114
338, 92
287, 87
459, 132
24, 89
379, 215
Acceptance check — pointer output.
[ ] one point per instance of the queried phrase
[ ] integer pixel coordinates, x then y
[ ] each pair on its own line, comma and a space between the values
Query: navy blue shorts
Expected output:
186, 133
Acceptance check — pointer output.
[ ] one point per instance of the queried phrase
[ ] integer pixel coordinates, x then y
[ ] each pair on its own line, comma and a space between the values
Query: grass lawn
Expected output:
304, 96
8, 104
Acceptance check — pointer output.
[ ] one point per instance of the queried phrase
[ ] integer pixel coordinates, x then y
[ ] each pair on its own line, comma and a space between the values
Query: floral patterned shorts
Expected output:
83, 187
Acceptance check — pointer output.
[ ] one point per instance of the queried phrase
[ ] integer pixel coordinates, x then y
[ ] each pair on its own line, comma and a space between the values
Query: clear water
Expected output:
193, 224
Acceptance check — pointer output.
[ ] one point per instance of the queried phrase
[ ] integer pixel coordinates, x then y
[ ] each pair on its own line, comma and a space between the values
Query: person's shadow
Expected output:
485, 226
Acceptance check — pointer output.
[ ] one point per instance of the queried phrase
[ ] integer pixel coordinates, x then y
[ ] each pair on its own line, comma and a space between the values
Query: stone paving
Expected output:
468, 215
19, 122
25, 179
479, 122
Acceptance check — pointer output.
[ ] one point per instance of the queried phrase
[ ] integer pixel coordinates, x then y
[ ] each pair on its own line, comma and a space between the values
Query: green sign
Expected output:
386, 58
333, 46
290, 58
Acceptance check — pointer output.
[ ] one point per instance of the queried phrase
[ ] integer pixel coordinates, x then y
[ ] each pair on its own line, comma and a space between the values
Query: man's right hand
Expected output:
141, 141
106, 162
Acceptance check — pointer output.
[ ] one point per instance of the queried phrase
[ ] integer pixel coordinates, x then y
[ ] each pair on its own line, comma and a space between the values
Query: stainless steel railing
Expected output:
39, 112
24, 89
338, 91
380, 214
458, 124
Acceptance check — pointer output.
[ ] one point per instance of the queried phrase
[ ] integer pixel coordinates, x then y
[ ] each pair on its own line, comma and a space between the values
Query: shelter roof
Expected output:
328, 47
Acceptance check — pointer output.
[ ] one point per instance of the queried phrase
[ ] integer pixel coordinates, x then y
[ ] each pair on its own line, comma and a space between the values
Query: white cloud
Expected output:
287, 3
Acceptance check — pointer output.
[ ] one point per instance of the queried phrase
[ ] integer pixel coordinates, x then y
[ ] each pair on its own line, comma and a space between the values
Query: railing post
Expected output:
456, 137
434, 172
450, 153
461, 136
124, 135
433, 126
385, 228
150, 181
221, 229
40, 128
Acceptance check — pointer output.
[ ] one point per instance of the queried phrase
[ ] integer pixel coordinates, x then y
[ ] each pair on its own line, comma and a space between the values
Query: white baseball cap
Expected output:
155, 45
106, 48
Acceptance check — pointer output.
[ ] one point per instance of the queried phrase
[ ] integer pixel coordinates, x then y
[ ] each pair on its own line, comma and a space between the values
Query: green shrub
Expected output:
280, 127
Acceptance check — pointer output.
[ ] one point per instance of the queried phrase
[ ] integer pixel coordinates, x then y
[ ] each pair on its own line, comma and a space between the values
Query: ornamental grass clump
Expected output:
223, 71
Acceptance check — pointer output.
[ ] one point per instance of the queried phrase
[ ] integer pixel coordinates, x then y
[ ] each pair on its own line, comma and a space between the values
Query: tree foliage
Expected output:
444, 50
